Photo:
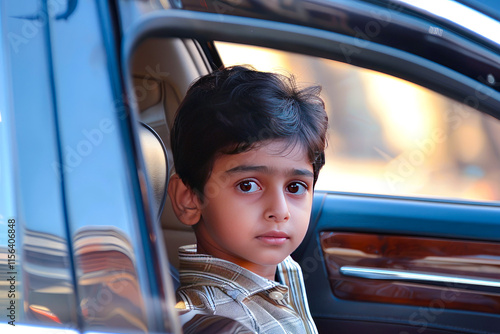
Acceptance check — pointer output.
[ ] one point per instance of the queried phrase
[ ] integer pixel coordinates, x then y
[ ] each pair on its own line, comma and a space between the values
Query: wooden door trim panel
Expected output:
458, 260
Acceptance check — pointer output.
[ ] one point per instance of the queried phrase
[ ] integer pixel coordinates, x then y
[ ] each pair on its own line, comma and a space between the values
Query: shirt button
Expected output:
276, 295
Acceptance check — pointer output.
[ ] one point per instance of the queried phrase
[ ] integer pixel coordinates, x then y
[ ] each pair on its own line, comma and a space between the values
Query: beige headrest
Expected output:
155, 159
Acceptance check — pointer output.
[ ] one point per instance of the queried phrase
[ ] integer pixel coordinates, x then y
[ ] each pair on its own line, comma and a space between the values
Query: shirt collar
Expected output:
202, 270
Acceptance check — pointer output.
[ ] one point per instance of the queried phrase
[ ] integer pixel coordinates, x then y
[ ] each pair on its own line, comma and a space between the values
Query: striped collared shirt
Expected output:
220, 296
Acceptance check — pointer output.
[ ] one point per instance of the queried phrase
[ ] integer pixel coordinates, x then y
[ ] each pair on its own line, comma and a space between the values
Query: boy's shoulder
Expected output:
201, 297
208, 307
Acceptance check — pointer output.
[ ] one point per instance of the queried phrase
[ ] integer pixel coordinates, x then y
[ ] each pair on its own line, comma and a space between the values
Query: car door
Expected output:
75, 252
405, 229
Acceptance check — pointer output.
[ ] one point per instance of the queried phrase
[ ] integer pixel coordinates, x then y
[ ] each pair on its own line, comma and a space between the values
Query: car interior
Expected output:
162, 71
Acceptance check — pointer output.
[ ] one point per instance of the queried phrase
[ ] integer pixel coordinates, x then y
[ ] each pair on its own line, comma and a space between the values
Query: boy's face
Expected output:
257, 206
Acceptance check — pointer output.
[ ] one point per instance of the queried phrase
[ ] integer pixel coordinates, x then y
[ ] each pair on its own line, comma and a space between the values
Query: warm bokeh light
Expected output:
390, 136
405, 111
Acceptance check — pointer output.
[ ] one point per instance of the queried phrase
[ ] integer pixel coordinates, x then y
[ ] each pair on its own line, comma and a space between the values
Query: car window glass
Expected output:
389, 136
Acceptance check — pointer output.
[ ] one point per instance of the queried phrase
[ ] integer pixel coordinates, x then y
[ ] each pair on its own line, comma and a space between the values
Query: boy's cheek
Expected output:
303, 204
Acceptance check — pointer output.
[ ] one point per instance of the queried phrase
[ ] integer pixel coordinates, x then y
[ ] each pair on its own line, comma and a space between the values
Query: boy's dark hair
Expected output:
232, 109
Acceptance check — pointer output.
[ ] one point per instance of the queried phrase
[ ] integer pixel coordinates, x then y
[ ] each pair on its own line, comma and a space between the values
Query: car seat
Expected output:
156, 165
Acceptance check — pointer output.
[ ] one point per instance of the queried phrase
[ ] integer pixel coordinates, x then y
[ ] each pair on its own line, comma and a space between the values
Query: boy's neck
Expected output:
266, 271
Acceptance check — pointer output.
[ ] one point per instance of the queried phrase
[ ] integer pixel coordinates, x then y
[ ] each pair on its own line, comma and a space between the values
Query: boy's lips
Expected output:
274, 237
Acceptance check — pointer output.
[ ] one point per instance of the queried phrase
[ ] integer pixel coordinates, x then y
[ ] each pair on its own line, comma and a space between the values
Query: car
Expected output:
404, 235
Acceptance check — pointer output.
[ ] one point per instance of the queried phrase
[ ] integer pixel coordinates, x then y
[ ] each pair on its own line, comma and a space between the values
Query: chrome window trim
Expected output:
460, 14
451, 281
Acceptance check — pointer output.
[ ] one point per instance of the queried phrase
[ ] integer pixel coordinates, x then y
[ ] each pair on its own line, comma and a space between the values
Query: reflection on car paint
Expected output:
48, 285
108, 280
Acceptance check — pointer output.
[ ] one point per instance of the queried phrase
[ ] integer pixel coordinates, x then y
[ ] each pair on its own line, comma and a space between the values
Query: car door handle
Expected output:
484, 285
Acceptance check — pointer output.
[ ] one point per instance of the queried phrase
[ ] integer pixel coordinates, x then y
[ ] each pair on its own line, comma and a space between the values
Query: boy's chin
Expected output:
272, 261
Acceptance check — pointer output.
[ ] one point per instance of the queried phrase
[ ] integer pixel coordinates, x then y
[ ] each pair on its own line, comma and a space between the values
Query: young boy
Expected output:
247, 147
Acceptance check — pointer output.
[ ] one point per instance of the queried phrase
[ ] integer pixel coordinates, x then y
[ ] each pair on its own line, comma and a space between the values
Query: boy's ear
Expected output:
185, 203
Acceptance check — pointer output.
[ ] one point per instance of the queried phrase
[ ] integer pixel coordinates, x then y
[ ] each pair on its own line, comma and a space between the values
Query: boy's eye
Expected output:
296, 188
248, 186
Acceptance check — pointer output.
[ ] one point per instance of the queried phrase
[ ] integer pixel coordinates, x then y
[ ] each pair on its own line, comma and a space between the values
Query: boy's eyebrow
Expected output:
265, 169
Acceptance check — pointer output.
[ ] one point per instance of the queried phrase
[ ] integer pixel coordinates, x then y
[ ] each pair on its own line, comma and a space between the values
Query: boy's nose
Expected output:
277, 207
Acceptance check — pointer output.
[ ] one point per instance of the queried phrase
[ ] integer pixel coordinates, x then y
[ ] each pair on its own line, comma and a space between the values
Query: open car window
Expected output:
389, 136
